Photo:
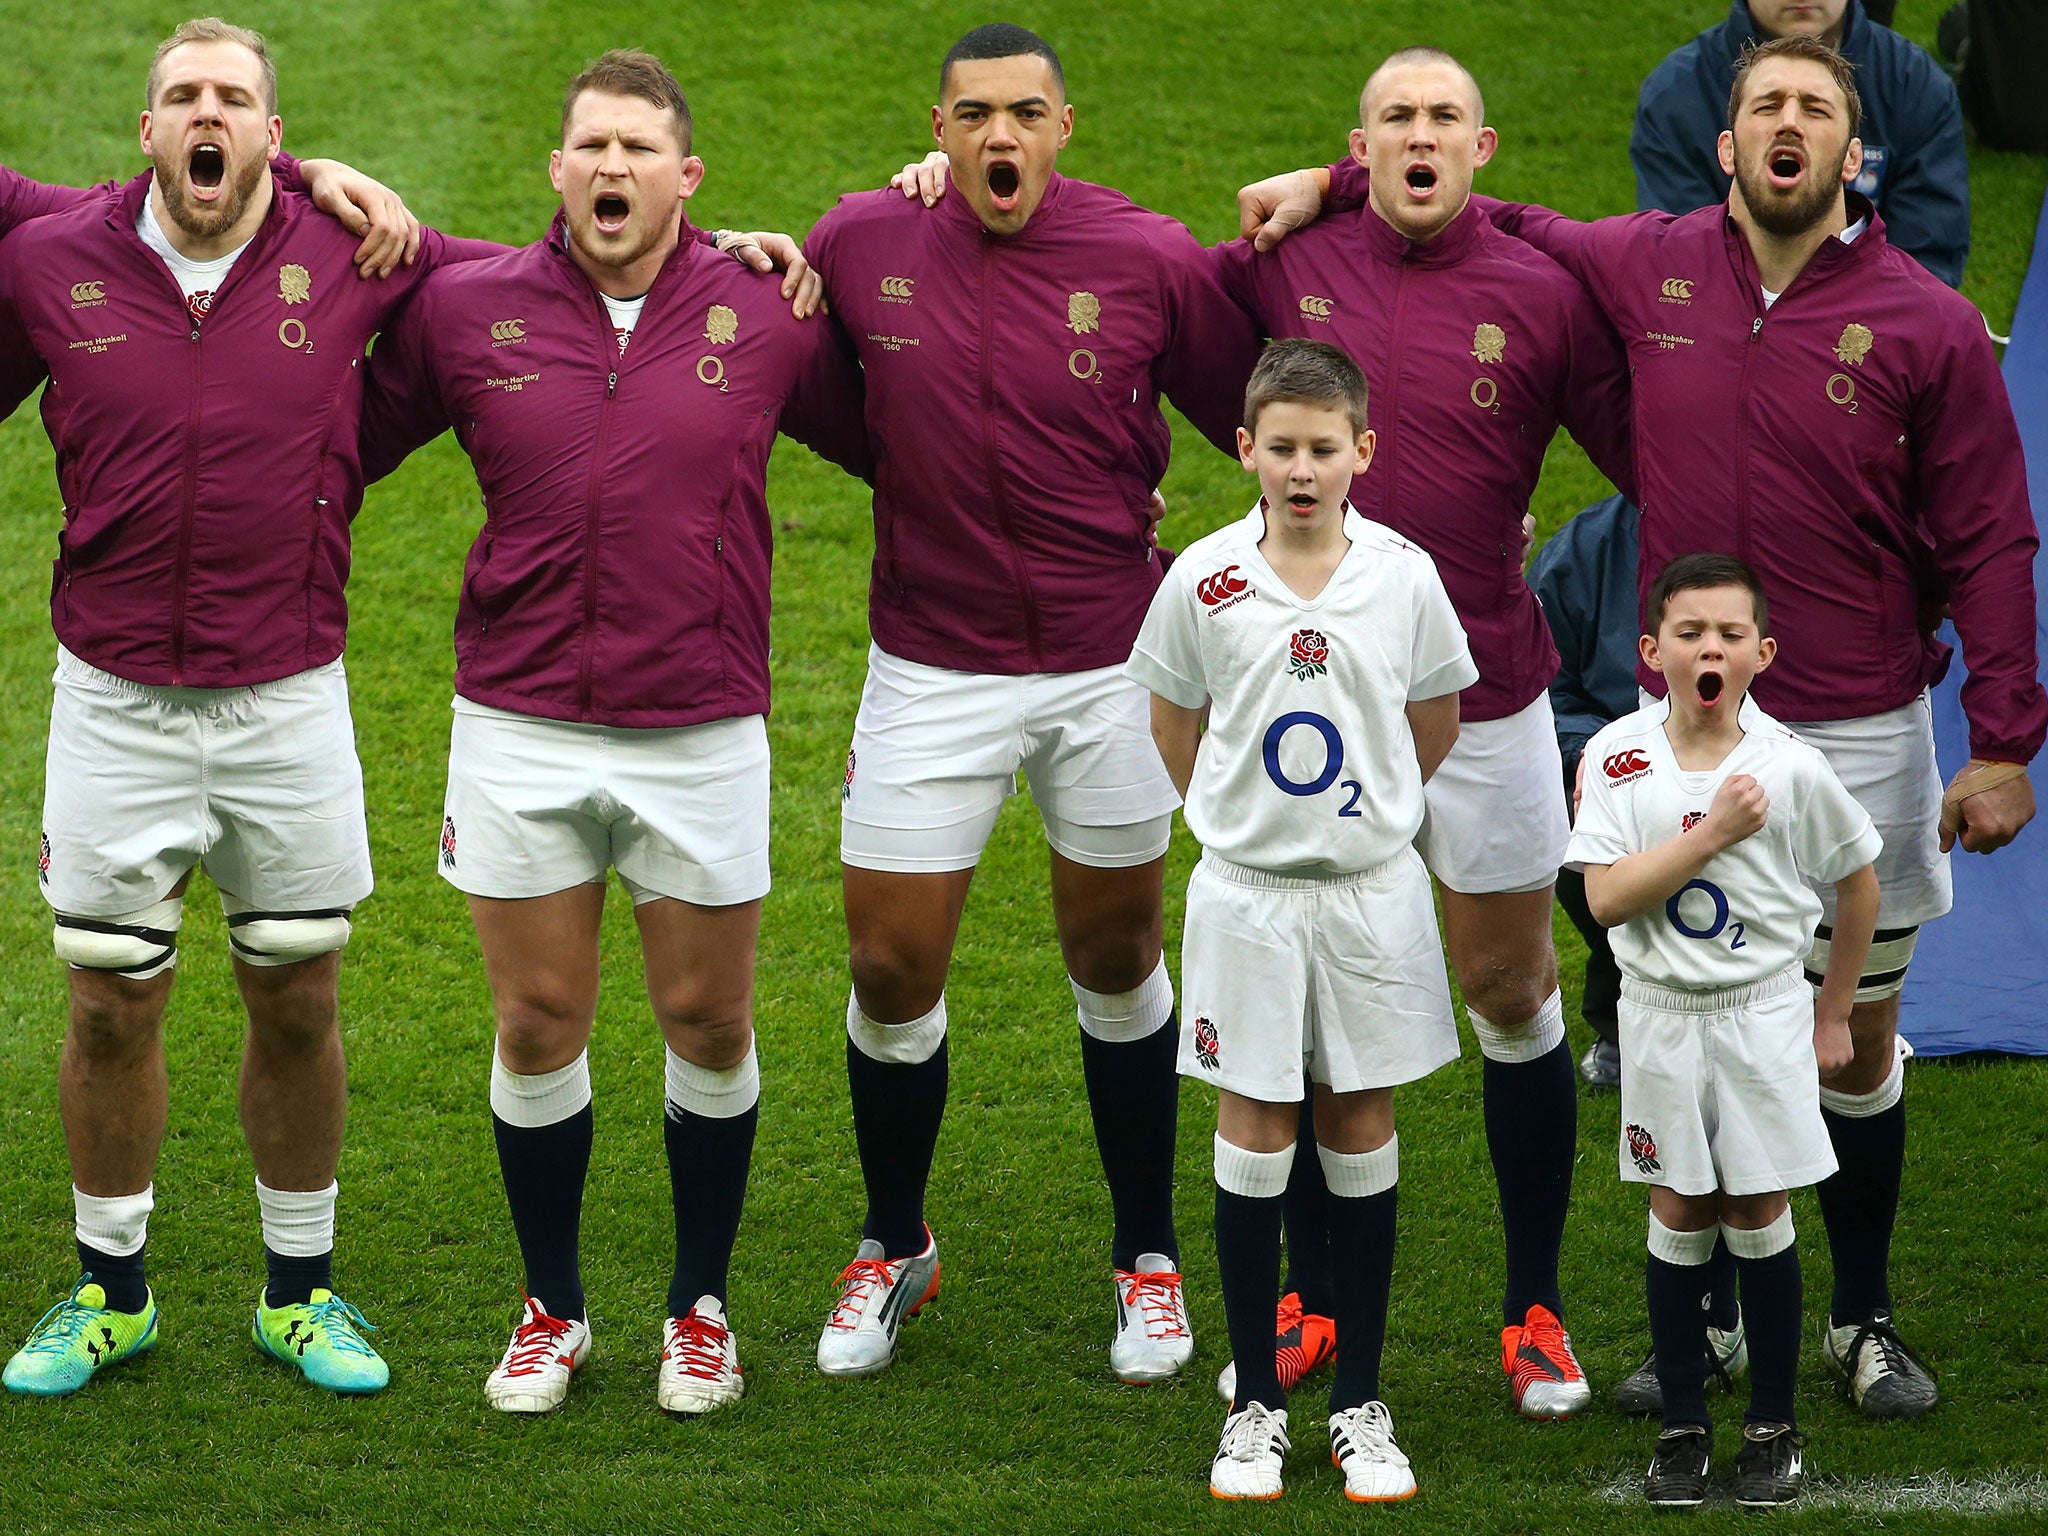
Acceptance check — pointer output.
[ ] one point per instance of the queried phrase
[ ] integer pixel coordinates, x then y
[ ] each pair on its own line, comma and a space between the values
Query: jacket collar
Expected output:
964, 218
126, 210
679, 259
1457, 240
1833, 255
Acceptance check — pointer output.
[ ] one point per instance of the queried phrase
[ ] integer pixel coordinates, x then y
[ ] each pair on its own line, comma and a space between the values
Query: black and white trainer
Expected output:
1768, 1472
1727, 1357
1677, 1478
1881, 1376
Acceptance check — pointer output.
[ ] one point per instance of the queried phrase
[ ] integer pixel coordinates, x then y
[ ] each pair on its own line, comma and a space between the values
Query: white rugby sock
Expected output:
1524, 1042
1691, 1249
707, 1091
297, 1224
904, 1044
1255, 1175
1122, 1016
1361, 1175
1761, 1242
116, 1225
530, 1101
1861, 1106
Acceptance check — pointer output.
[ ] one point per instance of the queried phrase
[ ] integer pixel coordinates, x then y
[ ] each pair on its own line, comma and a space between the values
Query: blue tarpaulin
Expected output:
1980, 976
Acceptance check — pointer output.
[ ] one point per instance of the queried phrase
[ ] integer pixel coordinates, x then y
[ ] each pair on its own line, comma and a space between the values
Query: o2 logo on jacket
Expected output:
1625, 767
1219, 589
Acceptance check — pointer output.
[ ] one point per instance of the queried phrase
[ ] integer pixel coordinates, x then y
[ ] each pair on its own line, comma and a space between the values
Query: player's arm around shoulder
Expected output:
1638, 883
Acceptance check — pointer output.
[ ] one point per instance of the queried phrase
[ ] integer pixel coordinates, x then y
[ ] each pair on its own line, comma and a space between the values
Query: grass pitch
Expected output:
1001, 1413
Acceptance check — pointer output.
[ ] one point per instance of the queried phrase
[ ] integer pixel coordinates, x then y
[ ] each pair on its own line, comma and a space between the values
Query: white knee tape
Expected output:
115, 1224
903, 1044
137, 945
713, 1093
1884, 968
282, 938
530, 1101
1690, 1249
1255, 1175
1119, 1017
1861, 1106
1361, 1175
1763, 1241
1525, 1042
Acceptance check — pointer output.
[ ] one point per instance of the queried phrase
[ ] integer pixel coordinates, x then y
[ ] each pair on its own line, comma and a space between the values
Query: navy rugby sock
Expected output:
119, 1275
1860, 1204
1678, 1333
1723, 1307
1532, 1132
897, 1109
544, 1168
1307, 1210
291, 1279
708, 1160
1362, 1257
1772, 1295
1134, 1100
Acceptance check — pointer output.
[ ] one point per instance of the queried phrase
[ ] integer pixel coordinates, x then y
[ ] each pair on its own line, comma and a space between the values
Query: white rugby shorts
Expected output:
1494, 817
935, 753
1721, 1090
1887, 762
259, 785
536, 806
1339, 979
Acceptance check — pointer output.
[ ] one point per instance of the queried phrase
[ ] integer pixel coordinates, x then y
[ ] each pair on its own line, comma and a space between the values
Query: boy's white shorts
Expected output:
536, 806
1720, 1090
260, 785
936, 752
1340, 980
1494, 815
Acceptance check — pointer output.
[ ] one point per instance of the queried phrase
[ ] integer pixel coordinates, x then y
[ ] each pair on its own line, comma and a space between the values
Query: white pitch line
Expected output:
1994, 1493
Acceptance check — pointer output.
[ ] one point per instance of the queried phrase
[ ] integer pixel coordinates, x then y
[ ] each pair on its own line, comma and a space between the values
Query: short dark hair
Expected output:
1001, 40
1798, 46
1695, 573
1306, 373
632, 72
1424, 54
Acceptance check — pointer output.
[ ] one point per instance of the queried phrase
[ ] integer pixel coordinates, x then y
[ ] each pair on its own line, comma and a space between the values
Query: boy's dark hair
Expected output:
1306, 373
1693, 573
1000, 40
632, 72
1797, 45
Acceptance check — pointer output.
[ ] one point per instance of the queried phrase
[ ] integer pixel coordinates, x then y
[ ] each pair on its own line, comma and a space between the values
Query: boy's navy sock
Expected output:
119, 1275
1772, 1296
1678, 1333
1362, 1255
1248, 1273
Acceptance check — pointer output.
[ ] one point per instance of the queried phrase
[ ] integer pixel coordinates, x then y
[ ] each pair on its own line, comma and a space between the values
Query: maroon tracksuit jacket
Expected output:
209, 472
1853, 444
1475, 347
621, 576
1013, 388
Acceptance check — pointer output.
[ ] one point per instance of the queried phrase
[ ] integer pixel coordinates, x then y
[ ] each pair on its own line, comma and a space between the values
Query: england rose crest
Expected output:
447, 842
43, 862
846, 785
1206, 1044
1642, 1147
1308, 654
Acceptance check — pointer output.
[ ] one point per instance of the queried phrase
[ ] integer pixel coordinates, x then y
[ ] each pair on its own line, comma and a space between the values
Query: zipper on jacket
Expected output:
1389, 446
997, 497
1742, 549
187, 516
591, 501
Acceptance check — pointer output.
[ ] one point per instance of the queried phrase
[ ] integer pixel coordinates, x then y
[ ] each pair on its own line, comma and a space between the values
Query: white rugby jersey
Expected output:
1308, 766
1749, 913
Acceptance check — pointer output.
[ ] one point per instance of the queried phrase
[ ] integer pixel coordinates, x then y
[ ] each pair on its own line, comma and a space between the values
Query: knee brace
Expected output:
137, 945
1884, 969
282, 938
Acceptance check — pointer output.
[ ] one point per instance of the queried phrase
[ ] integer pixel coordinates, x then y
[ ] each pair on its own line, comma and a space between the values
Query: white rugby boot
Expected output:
533, 1374
1153, 1340
875, 1295
1247, 1464
1362, 1447
700, 1361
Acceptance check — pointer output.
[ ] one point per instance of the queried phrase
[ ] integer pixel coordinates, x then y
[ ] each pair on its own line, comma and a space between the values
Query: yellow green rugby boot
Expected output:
77, 1337
323, 1339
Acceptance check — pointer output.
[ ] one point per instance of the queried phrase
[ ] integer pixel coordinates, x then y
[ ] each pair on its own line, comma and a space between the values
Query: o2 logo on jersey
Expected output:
1333, 760
1308, 654
1675, 910
1625, 767
1219, 589
1207, 1046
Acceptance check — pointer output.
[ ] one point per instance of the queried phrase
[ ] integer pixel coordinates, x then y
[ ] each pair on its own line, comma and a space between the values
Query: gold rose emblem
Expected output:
1489, 342
294, 283
720, 325
1854, 345
1084, 313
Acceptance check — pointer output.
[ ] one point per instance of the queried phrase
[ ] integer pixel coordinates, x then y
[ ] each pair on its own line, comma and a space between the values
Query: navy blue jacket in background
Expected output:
1585, 577
1914, 165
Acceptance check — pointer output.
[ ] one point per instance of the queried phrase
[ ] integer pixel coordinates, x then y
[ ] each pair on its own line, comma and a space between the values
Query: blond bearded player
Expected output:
200, 330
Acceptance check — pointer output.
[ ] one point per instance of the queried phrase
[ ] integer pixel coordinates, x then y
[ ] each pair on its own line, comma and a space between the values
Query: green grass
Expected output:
1001, 1414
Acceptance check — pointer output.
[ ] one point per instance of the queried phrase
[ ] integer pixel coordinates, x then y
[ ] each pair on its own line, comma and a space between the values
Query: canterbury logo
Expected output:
88, 293
1317, 308
1625, 765
897, 287
508, 330
1220, 587
1679, 288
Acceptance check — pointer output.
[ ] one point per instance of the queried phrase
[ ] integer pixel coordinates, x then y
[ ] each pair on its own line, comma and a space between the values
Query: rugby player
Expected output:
618, 388
1014, 344
1811, 400
200, 332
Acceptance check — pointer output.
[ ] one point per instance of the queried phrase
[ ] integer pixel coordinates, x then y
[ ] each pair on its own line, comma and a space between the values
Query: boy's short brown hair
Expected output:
1306, 373
1695, 573
632, 72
